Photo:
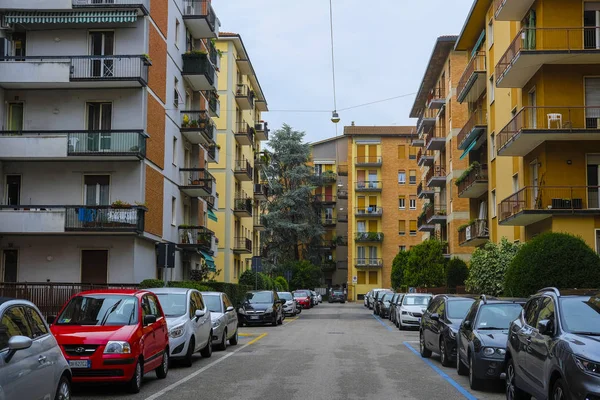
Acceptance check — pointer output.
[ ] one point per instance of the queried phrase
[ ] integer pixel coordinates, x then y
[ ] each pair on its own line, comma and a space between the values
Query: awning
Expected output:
211, 215
78, 17
469, 148
210, 262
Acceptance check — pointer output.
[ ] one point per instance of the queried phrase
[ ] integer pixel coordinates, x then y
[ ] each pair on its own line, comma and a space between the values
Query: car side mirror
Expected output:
15, 344
50, 319
230, 308
466, 325
199, 314
435, 317
546, 327
282, 301
149, 319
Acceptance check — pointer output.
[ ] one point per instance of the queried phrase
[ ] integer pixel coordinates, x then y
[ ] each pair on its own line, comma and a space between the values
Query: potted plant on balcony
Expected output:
475, 165
185, 121
120, 204
194, 123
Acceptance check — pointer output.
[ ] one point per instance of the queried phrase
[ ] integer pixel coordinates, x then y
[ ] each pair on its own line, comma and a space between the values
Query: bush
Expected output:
425, 265
488, 267
456, 273
552, 259
262, 282
158, 283
282, 284
305, 275
398, 266
234, 291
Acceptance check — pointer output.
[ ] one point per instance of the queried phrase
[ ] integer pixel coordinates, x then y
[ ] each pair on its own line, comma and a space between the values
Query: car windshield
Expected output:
259, 297
497, 316
581, 314
173, 304
458, 309
213, 302
387, 296
285, 296
100, 309
301, 294
416, 300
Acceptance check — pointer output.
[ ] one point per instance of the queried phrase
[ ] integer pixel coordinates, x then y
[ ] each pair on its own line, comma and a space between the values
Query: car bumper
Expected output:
105, 368
410, 320
289, 311
487, 367
178, 347
257, 319
581, 385
218, 332
337, 300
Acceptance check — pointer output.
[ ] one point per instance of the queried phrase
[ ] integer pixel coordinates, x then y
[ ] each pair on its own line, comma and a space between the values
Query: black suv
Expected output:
261, 307
377, 301
481, 339
440, 324
554, 348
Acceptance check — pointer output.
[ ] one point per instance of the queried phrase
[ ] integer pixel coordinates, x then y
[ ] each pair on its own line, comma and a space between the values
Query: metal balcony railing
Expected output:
195, 235
435, 171
477, 118
368, 262
242, 128
476, 64
372, 211
242, 244
478, 173
368, 236
104, 218
242, 205
324, 198
243, 91
261, 189
327, 177
214, 105
197, 63
476, 229
369, 185
200, 8
197, 177
368, 160
243, 166
435, 211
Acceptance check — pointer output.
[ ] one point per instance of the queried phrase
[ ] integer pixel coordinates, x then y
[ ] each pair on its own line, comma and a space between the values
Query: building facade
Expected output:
106, 126
383, 207
240, 130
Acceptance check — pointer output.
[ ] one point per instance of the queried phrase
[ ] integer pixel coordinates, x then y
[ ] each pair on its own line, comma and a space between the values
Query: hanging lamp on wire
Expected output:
335, 117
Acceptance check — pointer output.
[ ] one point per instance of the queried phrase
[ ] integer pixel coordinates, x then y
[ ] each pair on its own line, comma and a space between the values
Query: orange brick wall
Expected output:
154, 201
155, 145
159, 12
157, 76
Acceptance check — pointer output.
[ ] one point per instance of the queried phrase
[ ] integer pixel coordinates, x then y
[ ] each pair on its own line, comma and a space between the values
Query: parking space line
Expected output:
386, 326
201, 370
248, 334
441, 373
290, 320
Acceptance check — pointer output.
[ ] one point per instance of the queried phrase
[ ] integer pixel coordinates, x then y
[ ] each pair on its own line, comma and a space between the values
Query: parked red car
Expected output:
303, 298
113, 336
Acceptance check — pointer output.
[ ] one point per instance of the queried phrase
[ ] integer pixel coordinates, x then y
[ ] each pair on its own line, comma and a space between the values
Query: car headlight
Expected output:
451, 334
490, 351
269, 310
117, 347
217, 323
177, 331
587, 366
242, 311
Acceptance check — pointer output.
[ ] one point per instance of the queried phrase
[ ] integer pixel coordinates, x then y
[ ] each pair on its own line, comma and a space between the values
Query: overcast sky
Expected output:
381, 50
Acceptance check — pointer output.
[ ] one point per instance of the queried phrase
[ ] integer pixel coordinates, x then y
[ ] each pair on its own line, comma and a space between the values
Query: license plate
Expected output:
253, 317
80, 363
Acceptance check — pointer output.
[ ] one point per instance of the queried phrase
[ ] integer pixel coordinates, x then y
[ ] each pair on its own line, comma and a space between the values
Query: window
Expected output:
492, 90
492, 146
547, 310
174, 155
96, 190
413, 177
15, 116
173, 211
413, 202
362, 277
402, 202
318, 169
176, 93
412, 153
401, 177
531, 311
14, 323
402, 248
494, 203
177, 29
372, 277
402, 227
401, 152
413, 228
37, 323
490, 33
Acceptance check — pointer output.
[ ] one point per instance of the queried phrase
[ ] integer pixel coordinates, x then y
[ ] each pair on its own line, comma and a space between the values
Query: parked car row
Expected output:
403, 309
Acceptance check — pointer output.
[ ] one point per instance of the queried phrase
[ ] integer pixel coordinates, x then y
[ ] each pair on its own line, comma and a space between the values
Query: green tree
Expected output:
425, 265
305, 275
552, 259
260, 282
398, 266
488, 267
282, 284
456, 273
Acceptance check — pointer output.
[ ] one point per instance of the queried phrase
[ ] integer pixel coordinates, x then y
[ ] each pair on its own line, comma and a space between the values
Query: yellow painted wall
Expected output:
579, 226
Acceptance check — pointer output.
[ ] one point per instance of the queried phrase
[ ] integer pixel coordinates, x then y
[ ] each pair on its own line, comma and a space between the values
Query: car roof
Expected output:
113, 291
259, 291
418, 294
458, 296
505, 301
284, 292
164, 290
212, 293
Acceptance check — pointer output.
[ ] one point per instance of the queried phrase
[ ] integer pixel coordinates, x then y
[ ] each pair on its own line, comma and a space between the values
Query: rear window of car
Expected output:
416, 300
387, 296
497, 316
301, 294
338, 293
259, 297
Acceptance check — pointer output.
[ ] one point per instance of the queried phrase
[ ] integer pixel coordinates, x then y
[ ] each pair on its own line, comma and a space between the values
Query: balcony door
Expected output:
102, 44
372, 179
99, 123
13, 190
534, 182
96, 190
593, 180
15, 116
361, 255
592, 103
329, 214
10, 263
591, 22
372, 255
360, 179
94, 266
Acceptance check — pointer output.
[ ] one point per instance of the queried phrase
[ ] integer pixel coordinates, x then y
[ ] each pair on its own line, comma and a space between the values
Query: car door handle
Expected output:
42, 359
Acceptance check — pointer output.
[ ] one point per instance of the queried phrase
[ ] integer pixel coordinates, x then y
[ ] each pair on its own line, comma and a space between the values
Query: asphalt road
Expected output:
333, 351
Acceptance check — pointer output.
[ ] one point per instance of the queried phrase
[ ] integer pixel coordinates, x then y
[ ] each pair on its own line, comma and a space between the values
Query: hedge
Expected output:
456, 273
234, 291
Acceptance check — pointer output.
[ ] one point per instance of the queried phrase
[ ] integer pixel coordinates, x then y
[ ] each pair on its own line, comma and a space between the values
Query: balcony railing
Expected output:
213, 154
327, 177
244, 133
244, 96
342, 217
259, 220
368, 161
477, 123
426, 121
104, 218
242, 244
554, 40
196, 177
198, 64
341, 241
342, 170
361, 262
423, 225
369, 211
478, 173
200, 8
468, 78
243, 167
192, 236
475, 231
342, 194
328, 221
435, 213
242, 205
366, 186
210, 201
214, 105
436, 97
194, 119
324, 198
261, 190
436, 138
368, 236
435, 171
554, 119
538, 202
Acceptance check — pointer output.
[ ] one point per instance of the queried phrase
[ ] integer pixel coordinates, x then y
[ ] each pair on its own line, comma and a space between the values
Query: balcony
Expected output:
436, 176
242, 246
417, 142
142, 6
194, 238
436, 98
213, 154
435, 139
326, 178
368, 211
435, 214
244, 97
534, 125
342, 218
261, 192
368, 262
368, 161
214, 104
368, 237
369, 186
534, 47
423, 226
425, 122
243, 171
328, 266
342, 170
73, 72
259, 223
242, 207
261, 105
200, 19
425, 158
261, 158
197, 127
199, 71
473, 183
261, 130
535, 203
341, 241
342, 194
244, 134
511, 10
73, 145
244, 65
474, 234
473, 129
197, 182
424, 192
324, 200
212, 201
328, 222
327, 245
473, 81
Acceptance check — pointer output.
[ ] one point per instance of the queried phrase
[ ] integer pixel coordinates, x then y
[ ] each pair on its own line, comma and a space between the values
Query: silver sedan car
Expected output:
224, 319
32, 366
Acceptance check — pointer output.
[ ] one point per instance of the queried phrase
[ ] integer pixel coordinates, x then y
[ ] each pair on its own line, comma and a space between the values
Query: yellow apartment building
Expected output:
535, 64
443, 166
382, 203
240, 129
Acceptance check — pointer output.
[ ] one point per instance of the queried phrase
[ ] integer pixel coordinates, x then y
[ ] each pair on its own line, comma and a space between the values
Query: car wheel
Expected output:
280, 321
512, 391
461, 368
558, 390
234, 339
206, 352
163, 368
274, 323
223, 344
64, 389
474, 382
425, 352
187, 361
135, 384
444, 354
400, 326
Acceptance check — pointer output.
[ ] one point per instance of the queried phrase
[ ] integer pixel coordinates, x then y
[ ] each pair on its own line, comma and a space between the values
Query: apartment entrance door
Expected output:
94, 266
10, 261
102, 44
13, 190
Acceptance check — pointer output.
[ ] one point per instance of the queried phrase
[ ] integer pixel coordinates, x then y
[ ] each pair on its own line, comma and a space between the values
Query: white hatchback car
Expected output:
189, 323
412, 308
289, 308
224, 318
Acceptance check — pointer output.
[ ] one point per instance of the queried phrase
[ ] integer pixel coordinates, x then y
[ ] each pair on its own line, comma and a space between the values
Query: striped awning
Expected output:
211, 215
77, 17
210, 262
